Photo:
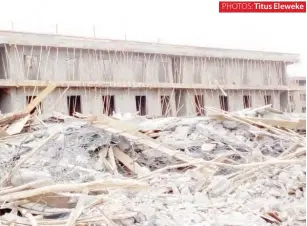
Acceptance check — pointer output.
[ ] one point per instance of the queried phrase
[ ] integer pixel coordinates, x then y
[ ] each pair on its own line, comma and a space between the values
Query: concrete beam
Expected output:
31, 39
137, 85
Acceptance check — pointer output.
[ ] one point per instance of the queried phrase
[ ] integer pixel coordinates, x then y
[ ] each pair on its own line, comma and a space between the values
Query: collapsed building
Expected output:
246, 167
95, 76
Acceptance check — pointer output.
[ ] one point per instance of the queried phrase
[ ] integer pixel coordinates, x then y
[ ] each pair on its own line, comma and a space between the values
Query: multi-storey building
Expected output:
101, 76
297, 97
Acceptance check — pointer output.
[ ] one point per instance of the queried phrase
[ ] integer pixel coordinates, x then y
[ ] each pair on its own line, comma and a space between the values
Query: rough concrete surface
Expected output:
188, 195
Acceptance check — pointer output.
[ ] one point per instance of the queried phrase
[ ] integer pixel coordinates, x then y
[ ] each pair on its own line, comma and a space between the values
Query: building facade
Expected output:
96, 76
297, 97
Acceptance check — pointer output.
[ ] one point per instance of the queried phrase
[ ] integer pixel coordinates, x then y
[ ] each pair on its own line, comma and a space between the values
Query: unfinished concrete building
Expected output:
96, 76
297, 96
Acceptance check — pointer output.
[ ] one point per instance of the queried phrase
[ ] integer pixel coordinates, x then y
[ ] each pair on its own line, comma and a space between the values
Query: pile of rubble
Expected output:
223, 169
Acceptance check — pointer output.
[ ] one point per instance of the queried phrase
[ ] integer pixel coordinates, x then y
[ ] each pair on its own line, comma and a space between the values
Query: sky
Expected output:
186, 22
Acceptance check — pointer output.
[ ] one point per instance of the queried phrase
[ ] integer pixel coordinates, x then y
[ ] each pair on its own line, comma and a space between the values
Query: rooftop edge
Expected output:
79, 42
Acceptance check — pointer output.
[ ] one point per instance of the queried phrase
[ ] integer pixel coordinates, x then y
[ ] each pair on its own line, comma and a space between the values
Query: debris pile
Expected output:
236, 168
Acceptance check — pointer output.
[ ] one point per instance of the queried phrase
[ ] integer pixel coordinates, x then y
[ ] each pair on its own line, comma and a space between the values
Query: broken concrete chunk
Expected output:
201, 198
208, 147
182, 131
123, 144
284, 177
302, 177
230, 124
218, 186
127, 221
298, 193
148, 212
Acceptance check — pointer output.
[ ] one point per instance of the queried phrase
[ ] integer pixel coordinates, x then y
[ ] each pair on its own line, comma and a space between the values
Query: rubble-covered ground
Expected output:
242, 174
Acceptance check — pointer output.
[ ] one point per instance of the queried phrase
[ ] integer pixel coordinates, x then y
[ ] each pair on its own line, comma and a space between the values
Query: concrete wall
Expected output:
298, 102
231, 71
3, 63
181, 102
91, 65
88, 65
235, 99
60, 64
91, 100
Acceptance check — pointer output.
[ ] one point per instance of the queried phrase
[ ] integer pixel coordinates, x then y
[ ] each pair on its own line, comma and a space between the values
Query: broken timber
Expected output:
131, 133
129, 163
39, 98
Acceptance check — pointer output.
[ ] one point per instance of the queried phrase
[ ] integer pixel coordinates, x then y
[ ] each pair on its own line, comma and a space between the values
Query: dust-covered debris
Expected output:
219, 170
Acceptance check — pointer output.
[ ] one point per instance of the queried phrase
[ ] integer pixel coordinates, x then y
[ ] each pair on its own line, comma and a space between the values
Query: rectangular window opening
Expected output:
247, 101
267, 99
302, 82
140, 102
39, 107
224, 103
166, 106
74, 104
108, 105
303, 109
199, 104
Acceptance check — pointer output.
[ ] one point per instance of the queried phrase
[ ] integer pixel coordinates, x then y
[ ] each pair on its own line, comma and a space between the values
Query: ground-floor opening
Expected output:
108, 105
247, 101
224, 103
267, 99
5, 101
199, 105
140, 102
166, 105
38, 108
74, 104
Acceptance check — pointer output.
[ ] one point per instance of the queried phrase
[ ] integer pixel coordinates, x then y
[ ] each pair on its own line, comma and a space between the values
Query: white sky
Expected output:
191, 22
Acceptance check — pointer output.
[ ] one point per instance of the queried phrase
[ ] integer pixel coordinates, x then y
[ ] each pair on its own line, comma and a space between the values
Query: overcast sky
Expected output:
192, 22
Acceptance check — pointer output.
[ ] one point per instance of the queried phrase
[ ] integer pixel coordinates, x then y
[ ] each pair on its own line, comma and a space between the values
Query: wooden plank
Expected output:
275, 122
42, 95
3, 132
220, 88
8, 118
51, 199
129, 163
17, 126
301, 124
112, 160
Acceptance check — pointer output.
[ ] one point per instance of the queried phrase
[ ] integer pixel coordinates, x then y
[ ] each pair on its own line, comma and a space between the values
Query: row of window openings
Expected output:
224, 105
292, 109
300, 82
302, 98
74, 104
